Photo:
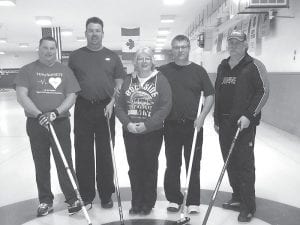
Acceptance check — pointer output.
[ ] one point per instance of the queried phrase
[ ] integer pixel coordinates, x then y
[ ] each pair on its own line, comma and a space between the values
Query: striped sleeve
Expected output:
261, 89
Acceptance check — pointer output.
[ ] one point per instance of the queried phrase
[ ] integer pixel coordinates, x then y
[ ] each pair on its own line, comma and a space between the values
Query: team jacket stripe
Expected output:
263, 76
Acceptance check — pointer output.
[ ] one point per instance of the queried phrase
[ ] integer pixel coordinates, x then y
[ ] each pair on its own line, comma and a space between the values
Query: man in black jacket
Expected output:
241, 91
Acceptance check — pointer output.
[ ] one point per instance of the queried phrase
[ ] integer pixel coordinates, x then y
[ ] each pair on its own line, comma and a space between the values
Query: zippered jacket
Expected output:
251, 90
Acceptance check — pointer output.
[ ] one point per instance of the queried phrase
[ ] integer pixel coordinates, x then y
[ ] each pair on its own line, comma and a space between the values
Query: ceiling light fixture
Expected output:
3, 40
163, 31
157, 50
173, 2
23, 45
7, 2
66, 32
161, 39
167, 18
2, 53
159, 44
43, 20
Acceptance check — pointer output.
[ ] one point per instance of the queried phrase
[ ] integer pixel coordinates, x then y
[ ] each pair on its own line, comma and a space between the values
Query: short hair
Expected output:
48, 38
180, 37
94, 20
147, 50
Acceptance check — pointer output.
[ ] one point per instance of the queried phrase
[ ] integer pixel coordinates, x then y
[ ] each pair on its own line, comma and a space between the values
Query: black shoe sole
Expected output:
173, 209
45, 214
74, 210
232, 207
245, 220
107, 205
134, 211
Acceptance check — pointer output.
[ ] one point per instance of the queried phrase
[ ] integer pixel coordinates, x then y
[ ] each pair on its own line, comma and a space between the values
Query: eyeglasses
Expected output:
143, 59
184, 47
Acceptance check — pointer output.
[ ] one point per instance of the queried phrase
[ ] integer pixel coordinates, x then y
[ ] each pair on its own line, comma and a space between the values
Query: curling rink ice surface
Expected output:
104, 216
277, 179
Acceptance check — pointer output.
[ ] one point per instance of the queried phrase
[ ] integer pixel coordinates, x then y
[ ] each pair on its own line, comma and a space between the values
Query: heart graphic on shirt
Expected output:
55, 82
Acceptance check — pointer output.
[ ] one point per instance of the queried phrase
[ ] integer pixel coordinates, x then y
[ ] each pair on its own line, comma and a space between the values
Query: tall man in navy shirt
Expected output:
187, 80
99, 72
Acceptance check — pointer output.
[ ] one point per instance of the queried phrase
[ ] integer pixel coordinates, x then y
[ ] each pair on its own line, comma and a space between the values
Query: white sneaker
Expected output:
173, 207
193, 209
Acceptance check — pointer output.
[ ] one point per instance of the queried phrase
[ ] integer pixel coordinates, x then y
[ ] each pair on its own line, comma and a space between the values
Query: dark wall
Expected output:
283, 107
7, 77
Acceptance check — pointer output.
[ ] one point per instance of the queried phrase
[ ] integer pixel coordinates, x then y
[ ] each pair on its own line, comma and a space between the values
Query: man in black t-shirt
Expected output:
187, 80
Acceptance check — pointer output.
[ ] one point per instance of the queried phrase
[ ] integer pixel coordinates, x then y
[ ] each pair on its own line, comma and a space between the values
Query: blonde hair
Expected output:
146, 50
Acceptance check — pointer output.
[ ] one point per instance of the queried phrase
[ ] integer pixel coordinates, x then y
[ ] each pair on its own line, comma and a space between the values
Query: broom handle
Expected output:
68, 169
191, 158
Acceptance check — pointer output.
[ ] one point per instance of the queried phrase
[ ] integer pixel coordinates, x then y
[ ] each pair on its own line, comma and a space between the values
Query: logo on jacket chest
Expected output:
229, 81
148, 87
141, 99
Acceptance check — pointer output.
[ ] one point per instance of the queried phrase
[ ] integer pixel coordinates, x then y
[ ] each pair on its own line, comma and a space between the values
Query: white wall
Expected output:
277, 51
17, 60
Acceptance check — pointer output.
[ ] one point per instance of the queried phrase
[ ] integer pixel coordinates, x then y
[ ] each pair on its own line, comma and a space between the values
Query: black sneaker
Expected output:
74, 208
134, 210
107, 204
44, 209
146, 210
245, 216
88, 204
173, 207
232, 205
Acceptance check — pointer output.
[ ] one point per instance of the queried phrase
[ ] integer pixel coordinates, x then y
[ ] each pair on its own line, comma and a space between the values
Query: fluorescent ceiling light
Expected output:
163, 31
160, 44
2, 53
167, 18
81, 39
157, 50
159, 57
23, 45
43, 20
173, 2
7, 2
66, 32
161, 39
3, 40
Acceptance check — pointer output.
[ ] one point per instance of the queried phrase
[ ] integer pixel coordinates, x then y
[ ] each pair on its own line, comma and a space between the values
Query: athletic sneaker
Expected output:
232, 204
88, 205
193, 209
173, 207
107, 204
134, 210
44, 209
74, 208
245, 216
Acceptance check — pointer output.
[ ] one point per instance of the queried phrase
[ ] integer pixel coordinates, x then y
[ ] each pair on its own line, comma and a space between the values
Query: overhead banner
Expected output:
130, 42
